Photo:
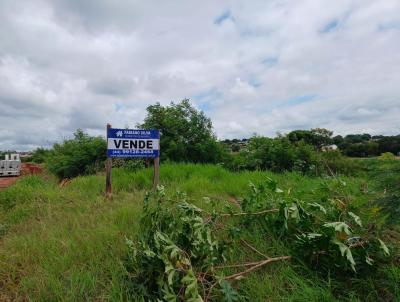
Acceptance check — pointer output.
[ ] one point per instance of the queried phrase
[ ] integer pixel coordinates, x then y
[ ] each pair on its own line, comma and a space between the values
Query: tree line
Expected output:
353, 145
187, 136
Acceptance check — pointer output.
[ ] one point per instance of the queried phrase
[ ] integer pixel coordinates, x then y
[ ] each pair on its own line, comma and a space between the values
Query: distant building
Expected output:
25, 154
329, 148
11, 165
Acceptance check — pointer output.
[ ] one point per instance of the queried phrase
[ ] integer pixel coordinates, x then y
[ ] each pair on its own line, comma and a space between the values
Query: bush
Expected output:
333, 162
328, 236
81, 155
281, 154
180, 249
387, 156
174, 251
39, 155
131, 164
278, 154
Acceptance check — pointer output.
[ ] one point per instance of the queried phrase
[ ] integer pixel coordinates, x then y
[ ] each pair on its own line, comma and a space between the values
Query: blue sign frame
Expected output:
133, 143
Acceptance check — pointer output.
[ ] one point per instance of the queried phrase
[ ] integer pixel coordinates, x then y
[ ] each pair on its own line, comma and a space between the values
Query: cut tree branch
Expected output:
256, 266
253, 248
251, 213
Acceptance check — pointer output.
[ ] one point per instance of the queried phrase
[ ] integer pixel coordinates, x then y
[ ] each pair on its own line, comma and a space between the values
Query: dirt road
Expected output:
27, 169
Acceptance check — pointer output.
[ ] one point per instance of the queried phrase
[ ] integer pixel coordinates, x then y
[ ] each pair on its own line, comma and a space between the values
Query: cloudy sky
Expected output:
252, 66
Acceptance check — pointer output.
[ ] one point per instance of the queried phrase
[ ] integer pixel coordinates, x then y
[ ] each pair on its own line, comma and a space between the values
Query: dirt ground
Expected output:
27, 169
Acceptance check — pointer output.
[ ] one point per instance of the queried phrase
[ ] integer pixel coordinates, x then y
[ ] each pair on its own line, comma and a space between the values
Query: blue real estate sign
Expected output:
128, 143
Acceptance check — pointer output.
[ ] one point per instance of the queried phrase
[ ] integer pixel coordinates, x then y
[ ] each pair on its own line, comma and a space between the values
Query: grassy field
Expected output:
68, 244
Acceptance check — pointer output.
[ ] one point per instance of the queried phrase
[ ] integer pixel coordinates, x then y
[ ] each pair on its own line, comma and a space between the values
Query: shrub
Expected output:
333, 162
39, 155
180, 251
387, 156
81, 155
174, 248
281, 154
278, 154
328, 236
131, 164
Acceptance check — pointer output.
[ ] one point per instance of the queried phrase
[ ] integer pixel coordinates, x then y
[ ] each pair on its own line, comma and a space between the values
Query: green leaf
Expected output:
339, 226
228, 293
356, 218
345, 251
318, 206
294, 212
313, 235
191, 291
271, 184
384, 247
206, 200
369, 260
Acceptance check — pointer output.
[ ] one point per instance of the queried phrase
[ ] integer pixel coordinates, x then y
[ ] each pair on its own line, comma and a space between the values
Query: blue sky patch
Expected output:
389, 25
204, 99
254, 82
119, 107
270, 61
331, 26
299, 99
226, 15
205, 106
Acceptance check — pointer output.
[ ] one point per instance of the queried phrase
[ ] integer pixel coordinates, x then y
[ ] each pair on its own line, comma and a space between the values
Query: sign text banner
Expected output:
128, 143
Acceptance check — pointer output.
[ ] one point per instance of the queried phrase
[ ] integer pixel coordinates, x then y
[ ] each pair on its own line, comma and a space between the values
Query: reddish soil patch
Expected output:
7, 181
27, 169
30, 169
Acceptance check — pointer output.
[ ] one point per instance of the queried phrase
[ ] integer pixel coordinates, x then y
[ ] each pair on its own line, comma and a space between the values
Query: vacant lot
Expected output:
68, 244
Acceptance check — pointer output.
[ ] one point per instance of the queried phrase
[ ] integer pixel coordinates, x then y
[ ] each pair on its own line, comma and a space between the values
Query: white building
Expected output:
11, 165
329, 148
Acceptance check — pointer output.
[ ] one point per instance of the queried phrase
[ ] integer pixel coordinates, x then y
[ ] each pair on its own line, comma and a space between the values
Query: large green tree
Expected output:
186, 133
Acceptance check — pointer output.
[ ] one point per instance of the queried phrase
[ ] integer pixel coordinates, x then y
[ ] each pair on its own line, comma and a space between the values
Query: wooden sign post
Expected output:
132, 143
156, 172
108, 171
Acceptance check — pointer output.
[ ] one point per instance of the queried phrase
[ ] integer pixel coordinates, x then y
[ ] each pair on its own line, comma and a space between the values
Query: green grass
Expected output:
66, 244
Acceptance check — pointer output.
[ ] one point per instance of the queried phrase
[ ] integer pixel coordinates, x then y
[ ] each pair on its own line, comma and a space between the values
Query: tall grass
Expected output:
66, 244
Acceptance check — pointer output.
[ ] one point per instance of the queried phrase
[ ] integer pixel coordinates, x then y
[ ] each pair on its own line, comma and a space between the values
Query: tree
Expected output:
317, 137
39, 155
321, 137
81, 155
186, 133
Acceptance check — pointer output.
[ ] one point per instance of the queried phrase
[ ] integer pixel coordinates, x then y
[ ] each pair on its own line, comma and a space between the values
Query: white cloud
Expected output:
80, 64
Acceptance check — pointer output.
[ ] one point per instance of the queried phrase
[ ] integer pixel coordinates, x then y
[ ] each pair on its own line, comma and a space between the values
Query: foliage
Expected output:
39, 155
81, 155
65, 244
353, 145
186, 133
175, 253
363, 145
332, 162
131, 164
317, 137
330, 237
285, 154
279, 154
387, 156
385, 177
